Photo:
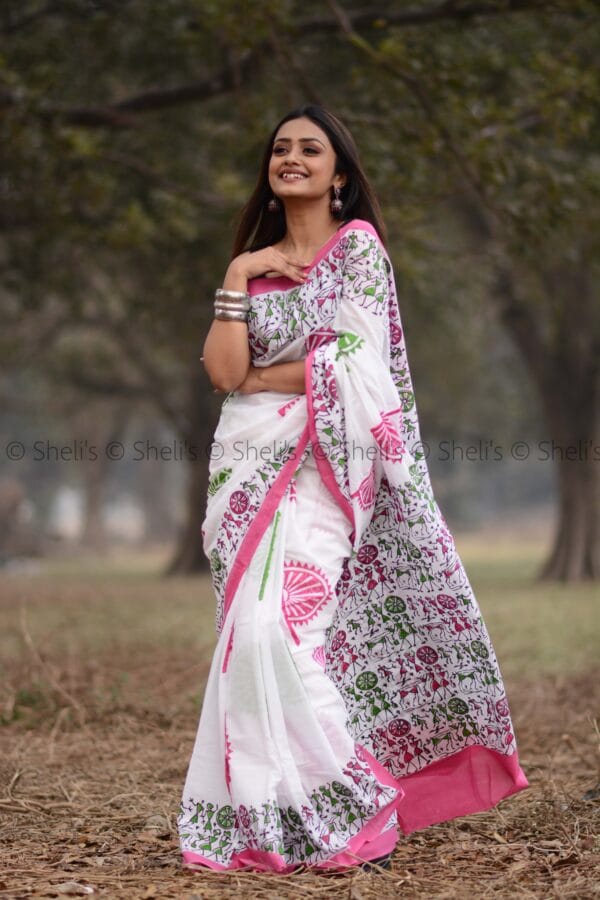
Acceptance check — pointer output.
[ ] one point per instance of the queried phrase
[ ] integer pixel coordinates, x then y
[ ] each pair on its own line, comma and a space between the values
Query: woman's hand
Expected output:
250, 264
251, 383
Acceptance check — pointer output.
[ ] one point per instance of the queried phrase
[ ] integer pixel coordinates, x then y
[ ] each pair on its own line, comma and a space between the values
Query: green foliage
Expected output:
131, 135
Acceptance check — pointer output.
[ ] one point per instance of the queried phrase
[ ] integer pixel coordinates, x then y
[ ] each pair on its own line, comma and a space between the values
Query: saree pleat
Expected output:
285, 763
354, 691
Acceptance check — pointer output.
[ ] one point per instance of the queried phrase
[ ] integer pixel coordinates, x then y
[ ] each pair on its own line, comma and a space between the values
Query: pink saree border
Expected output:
261, 283
322, 462
253, 536
371, 839
428, 803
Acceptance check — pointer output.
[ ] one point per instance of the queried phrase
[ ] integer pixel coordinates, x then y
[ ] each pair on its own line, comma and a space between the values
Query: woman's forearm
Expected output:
288, 378
226, 350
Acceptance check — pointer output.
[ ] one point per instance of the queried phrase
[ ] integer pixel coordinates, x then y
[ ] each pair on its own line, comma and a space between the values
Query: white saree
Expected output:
354, 693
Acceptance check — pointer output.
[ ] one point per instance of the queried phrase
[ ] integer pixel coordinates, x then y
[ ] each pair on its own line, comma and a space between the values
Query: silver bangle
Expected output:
232, 304
231, 316
239, 307
224, 294
231, 312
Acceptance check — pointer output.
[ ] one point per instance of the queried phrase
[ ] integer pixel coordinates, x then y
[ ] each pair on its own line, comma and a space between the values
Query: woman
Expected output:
354, 692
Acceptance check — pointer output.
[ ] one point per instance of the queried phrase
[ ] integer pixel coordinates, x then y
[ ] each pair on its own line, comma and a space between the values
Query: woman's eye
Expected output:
277, 150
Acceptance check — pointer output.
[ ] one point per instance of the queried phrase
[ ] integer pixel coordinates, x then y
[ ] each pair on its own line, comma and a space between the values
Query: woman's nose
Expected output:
291, 155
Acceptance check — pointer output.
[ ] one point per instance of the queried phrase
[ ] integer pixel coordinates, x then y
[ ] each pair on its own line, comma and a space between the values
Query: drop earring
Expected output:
336, 203
273, 205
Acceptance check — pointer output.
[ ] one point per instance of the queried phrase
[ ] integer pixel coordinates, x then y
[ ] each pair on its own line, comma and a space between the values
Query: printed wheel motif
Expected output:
427, 655
367, 554
226, 817
458, 706
305, 591
244, 817
408, 400
366, 681
341, 789
399, 727
395, 333
502, 707
446, 601
215, 561
479, 649
332, 385
394, 604
339, 639
238, 502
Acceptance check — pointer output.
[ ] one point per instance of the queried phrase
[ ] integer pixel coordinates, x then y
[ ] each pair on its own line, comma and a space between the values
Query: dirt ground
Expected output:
97, 730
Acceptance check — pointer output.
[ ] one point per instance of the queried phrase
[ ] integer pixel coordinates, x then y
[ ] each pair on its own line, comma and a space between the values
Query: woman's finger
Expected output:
296, 275
290, 260
297, 262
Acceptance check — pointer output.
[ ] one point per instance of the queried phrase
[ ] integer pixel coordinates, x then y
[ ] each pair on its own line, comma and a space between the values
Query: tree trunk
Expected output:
102, 425
93, 533
564, 368
154, 495
189, 555
575, 554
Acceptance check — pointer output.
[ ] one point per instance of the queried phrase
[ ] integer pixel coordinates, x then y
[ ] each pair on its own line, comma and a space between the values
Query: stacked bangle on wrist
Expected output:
231, 306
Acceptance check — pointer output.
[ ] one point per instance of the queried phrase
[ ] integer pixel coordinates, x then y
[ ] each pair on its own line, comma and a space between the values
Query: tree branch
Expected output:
123, 113
438, 12
48, 9
167, 184
155, 387
414, 86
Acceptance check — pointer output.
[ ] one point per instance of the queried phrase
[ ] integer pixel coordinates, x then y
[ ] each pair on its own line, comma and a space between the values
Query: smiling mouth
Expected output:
292, 176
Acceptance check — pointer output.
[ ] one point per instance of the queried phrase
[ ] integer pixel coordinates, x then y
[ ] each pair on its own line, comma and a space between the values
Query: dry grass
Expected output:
99, 696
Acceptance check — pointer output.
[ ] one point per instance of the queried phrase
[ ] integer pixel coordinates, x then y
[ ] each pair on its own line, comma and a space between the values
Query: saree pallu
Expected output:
354, 692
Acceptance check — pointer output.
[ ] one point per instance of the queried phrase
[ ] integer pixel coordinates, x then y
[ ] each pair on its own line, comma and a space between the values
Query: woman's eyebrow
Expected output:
302, 140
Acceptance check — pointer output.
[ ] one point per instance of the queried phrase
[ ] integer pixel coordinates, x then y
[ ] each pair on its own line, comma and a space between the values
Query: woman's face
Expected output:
302, 163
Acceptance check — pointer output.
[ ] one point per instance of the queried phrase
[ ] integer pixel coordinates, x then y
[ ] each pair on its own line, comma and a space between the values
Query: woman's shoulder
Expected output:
361, 230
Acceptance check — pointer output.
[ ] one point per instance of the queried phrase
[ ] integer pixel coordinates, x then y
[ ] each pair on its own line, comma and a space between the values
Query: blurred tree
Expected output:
130, 137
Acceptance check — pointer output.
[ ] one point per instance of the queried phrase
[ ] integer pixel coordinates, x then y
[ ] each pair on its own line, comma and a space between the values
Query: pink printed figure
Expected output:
365, 492
395, 333
318, 655
227, 759
318, 338
287, 406
387, 437
305, 592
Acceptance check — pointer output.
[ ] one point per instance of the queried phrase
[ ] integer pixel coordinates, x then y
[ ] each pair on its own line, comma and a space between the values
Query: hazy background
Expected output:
131, 134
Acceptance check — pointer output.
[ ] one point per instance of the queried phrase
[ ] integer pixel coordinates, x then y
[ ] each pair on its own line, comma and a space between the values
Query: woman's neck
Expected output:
307, 230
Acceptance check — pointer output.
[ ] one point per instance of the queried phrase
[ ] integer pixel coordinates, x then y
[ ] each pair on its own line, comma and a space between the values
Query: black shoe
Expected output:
374, 865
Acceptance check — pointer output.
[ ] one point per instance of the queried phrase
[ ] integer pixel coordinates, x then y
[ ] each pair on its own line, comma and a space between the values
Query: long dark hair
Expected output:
258, 227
